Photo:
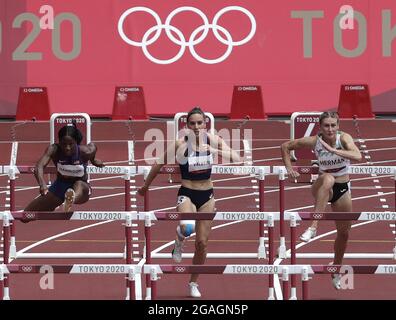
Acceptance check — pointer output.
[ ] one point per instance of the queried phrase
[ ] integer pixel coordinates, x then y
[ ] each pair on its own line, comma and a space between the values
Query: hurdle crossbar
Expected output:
72, 268
216, 169
379, 170
110, 170
70, 255
71, 215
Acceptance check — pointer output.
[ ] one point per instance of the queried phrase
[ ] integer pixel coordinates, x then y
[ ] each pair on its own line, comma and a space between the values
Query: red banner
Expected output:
189, 53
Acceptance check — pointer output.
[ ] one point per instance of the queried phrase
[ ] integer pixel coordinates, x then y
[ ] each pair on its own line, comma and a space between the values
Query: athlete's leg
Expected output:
202, 230
82, 192
48, 202
78, 194
344, 204
322, 192
184, 204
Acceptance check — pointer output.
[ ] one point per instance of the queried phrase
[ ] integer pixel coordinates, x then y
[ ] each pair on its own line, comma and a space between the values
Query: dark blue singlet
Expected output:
67, 166
191, 170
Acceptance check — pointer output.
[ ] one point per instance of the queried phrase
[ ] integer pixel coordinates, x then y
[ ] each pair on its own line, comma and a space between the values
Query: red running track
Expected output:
232, 194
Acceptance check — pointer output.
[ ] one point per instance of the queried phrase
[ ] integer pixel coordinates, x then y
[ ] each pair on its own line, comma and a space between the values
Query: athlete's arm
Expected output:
351, 150
90, 154
41, 164
156, 168
286, 147
222, 148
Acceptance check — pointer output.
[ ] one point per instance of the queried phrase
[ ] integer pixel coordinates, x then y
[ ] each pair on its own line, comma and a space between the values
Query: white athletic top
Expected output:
330, 162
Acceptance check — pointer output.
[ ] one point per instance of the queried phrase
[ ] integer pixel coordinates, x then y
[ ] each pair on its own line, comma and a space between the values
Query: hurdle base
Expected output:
282, 252
293, 294
6, 295
148, 294
262, 252
13, 250
271, 295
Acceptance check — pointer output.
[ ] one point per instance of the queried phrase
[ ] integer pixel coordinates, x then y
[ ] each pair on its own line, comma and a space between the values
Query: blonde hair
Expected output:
329, 114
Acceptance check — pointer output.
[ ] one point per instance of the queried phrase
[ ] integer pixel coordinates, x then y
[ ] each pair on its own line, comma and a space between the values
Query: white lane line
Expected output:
374, 162
381, 149
40, 242
382, 139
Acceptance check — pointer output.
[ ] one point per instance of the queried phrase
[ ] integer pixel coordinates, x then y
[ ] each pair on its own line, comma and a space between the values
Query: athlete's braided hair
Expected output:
71, 130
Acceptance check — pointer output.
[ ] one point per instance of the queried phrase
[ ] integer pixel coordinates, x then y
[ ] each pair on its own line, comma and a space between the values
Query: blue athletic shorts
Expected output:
59, 187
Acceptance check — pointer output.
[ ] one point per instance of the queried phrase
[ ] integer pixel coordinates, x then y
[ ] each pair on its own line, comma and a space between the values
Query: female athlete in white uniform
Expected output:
334, 150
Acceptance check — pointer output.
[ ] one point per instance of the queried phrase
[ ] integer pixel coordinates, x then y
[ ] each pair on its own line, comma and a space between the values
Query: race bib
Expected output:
198, 163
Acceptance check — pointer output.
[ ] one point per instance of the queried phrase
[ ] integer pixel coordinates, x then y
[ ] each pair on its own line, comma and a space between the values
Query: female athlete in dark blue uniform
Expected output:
71, 160
195, 156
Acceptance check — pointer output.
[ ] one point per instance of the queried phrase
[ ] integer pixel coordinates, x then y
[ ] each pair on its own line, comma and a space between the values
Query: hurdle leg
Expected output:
394, 204
305, 279
271, 295
147, 233
153, 279
131, 285
128, 258
6, 241
2, 281
293, 225
282, 245
12, 247
285, 283
262, 254
127, 190
128, 225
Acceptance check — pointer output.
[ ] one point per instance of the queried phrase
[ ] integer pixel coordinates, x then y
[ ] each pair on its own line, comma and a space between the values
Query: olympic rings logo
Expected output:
27, 268
30, 215
317, 216
170, 169
305, 170
180, 269
332, 269
181, 39
173, 216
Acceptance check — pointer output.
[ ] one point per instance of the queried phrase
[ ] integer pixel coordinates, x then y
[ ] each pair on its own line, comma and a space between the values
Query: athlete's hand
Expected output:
207, 147
43, 190
292, 174
326, 145
142, 191
98, 163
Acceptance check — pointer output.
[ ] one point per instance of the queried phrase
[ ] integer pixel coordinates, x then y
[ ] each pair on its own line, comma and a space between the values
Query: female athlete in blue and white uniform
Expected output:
194, 153
334, 150
71, 160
